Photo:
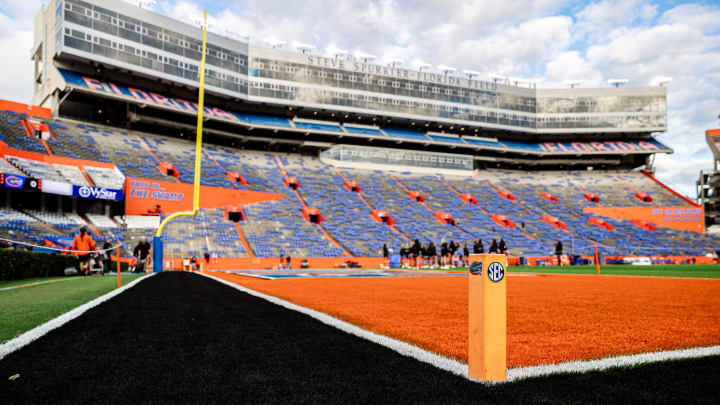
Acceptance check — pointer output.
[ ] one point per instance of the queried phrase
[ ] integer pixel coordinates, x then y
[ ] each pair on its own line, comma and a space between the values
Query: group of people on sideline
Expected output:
89, 255
450, 254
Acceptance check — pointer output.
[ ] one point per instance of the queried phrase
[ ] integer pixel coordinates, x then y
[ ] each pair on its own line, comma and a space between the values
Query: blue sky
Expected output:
544, 40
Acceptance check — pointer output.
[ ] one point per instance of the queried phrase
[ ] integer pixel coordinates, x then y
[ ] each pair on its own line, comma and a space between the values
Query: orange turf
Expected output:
551, 318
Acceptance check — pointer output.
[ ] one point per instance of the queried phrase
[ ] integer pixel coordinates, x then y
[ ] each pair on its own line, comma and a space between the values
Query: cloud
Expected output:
16, 40
17, 76
550, 40
699, 16
596, 20
571, 66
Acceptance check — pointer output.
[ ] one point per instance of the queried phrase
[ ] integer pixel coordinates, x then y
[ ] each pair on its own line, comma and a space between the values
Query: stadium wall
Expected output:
79, 163
29, 109
683, 218
248, 263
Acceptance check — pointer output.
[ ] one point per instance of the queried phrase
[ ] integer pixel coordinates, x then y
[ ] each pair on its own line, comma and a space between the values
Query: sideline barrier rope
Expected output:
59, 249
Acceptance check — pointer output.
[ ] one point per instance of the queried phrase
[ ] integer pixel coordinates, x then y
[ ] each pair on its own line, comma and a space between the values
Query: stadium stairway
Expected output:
358, 193
311, 184
277, 228
347, 217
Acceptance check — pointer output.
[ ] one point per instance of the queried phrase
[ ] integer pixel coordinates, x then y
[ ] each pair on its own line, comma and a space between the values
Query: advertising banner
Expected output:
97, 193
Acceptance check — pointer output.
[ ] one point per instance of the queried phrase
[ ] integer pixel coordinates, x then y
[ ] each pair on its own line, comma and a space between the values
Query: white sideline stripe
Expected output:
461, 369
35, 333
630, 360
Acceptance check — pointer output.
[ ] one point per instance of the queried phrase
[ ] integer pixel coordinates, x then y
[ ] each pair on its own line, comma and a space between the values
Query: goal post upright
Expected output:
157, 240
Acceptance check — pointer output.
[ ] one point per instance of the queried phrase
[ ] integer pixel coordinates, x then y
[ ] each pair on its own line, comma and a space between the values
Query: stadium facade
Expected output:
322, 157
115, 43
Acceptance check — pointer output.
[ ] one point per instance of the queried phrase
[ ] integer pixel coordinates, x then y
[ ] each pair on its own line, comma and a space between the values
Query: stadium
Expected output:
311, 221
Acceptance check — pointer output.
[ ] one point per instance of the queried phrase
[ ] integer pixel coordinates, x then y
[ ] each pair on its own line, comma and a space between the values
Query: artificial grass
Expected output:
24, 308
178, 337
662, 270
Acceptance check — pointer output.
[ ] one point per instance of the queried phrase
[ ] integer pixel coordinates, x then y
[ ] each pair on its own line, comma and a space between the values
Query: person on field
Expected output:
478, 246
432, 253
443, 252
83, 244
493, 247
141, 253
466, 254
452, 249
106, 254
288, 263
502, 247
386, 255
415, 253
559, 252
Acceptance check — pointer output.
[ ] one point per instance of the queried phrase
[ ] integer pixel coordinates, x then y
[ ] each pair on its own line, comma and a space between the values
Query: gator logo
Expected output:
476, 268
14, 181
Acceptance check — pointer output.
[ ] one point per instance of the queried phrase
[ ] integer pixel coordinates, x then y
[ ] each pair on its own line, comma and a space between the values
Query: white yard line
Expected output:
38, 283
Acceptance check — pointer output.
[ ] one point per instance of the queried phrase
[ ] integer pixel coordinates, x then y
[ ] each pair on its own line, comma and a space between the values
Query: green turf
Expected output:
665, 270
24, 308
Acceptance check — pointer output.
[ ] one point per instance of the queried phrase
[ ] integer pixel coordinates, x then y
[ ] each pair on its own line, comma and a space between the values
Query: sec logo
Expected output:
476, 268
496, 272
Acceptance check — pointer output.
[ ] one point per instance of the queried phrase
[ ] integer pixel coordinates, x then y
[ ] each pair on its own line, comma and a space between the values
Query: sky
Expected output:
547, 41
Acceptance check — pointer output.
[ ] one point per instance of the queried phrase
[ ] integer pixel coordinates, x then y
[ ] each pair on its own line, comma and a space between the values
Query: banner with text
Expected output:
148, 197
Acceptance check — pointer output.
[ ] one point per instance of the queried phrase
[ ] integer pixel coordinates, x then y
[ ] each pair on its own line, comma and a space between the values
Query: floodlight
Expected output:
661, 81
617, 82
302, 47
274, 42
446, 69
496, 78
572, 83
420, 65
393, 61
471, 73
335, 52
364, 56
